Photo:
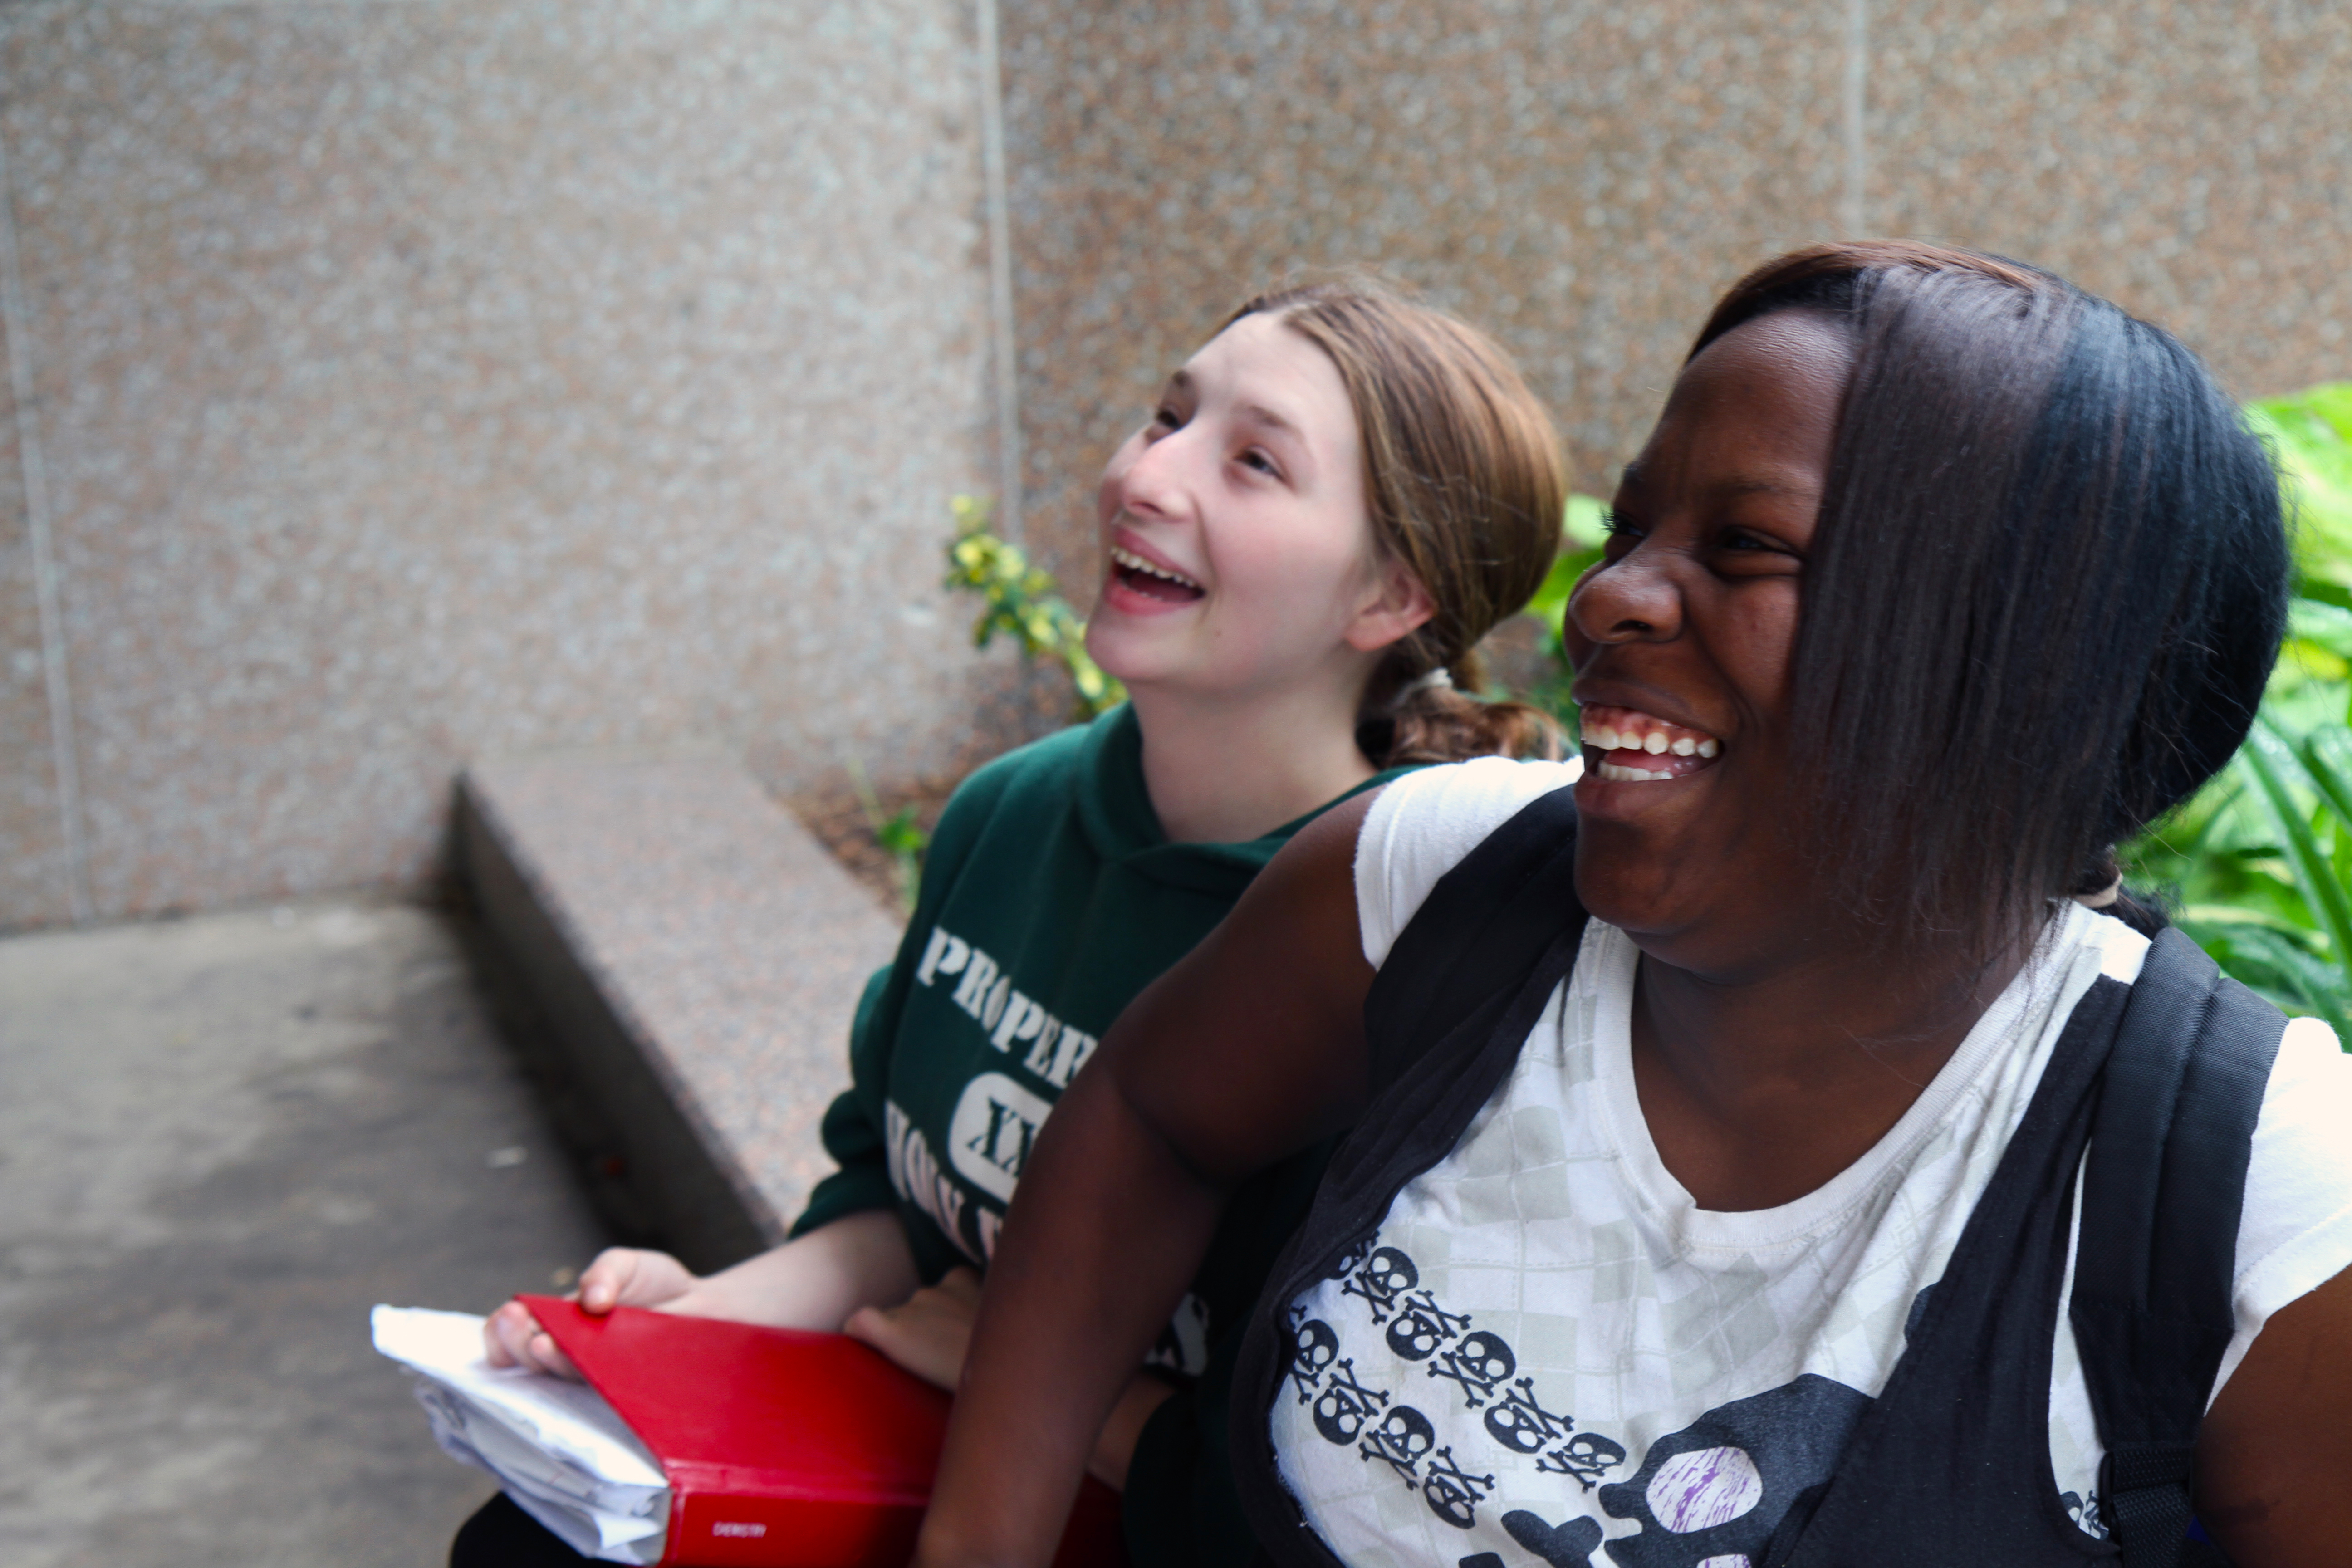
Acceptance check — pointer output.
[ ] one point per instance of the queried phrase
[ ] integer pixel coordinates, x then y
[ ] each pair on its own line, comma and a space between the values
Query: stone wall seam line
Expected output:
18, 319
1854, 208
1000, 272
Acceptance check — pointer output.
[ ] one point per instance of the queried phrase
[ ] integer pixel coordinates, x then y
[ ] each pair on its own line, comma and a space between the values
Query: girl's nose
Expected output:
1632, 599
1152, 485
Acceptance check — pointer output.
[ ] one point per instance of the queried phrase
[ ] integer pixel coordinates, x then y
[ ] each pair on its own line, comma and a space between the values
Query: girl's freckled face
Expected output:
1237, 546
1684, 631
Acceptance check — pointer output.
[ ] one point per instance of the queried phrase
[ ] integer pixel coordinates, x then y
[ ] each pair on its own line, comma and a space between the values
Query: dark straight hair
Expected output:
2047, 585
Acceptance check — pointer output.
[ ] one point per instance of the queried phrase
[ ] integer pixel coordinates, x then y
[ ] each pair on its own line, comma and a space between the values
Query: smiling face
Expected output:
1239, 557
1682, 639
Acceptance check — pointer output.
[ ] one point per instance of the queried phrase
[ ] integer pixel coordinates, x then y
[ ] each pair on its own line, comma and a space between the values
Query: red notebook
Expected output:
785, 1449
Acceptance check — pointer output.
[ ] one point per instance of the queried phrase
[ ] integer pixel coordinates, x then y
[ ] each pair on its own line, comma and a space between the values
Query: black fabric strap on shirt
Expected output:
2151, 1093
1475, 935
2163, 1190
1462, 985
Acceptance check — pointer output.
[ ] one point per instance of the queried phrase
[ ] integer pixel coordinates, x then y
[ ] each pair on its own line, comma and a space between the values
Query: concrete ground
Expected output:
222, 1139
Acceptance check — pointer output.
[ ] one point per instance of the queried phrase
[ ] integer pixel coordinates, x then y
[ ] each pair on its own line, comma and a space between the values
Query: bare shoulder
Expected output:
2275, 1446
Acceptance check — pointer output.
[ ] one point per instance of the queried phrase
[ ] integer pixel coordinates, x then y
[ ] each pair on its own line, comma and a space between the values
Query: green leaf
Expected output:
2326, 757
2310, 432
2274, 964
2271, 762
2324, 592
1019, 601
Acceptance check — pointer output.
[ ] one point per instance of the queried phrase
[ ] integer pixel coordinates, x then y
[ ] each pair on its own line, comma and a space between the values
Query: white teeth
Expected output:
1134, 563
1606, 737
1621, 773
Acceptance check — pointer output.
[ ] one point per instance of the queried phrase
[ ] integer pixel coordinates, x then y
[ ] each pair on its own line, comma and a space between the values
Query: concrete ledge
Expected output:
696, 956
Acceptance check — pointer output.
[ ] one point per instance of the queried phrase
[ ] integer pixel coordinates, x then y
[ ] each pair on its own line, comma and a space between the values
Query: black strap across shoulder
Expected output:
2151, 1093
1463, 984
2163, 1191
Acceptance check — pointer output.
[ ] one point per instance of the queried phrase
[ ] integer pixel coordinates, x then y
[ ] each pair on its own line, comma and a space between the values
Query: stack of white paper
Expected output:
556, 1446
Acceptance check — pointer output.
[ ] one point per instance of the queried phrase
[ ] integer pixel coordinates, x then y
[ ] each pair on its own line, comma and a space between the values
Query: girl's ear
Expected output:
1398, 610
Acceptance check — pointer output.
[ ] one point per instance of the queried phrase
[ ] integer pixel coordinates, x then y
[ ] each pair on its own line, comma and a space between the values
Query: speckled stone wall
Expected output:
420, 382
1582, 179
2191, 162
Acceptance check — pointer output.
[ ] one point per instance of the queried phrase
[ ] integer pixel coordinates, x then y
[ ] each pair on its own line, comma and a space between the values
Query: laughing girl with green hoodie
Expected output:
1330, 503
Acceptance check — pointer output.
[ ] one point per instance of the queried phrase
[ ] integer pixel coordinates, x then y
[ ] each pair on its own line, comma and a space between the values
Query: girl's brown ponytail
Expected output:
1465, 484
1429, 719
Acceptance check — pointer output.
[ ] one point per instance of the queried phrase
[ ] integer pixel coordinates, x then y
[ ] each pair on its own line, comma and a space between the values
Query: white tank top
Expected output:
1546, 1303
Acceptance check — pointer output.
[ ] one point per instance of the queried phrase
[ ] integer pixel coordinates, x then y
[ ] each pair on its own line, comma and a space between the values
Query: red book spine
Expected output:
715, 1520
783, 1449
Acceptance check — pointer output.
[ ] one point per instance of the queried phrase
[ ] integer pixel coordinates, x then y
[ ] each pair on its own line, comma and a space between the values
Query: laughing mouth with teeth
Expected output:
1152, 581
1636, 747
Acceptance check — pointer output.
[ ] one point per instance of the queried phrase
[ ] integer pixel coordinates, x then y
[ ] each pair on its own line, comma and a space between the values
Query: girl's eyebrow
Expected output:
1758, 487
1264, 416
1181, 380
1754, 485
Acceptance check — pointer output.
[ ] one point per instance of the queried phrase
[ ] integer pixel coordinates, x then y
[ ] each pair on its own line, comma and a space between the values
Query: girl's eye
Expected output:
1742, 541
1164, 419
1613, 521
1254, 458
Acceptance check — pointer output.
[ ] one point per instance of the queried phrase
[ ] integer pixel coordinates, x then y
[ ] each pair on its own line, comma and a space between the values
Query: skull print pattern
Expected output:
1419, 1329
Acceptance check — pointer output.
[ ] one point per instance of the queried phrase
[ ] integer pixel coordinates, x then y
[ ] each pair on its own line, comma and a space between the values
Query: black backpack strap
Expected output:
2163, 1187
1476, 934
1444, 1022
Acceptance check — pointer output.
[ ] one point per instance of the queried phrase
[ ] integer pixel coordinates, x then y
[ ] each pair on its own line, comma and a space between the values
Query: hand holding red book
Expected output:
783, 1449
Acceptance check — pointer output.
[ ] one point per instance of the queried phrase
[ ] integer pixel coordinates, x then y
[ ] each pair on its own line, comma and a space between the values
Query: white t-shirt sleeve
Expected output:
2296, 1231
1425, 823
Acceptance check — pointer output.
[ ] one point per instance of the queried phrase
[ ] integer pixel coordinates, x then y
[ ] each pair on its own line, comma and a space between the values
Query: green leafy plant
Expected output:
1581, 538
899, 833
2260, 862
1017, 600
1020, 600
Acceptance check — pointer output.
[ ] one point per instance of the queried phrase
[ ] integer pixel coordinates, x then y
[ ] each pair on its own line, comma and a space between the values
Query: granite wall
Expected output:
2191, 162
407, 381
415, 382
1583, 178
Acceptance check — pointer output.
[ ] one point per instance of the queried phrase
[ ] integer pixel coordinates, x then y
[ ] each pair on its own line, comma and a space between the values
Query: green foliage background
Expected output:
2258, 865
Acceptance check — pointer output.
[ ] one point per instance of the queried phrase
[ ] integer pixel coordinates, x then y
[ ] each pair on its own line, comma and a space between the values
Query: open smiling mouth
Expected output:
1132, 571
1636, 747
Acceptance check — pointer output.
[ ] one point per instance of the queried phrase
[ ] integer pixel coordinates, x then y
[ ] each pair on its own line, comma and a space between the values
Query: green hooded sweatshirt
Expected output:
1049, 898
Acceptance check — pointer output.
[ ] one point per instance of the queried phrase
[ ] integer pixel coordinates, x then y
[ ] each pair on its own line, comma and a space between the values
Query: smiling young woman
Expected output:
1734, 1223
1330, 503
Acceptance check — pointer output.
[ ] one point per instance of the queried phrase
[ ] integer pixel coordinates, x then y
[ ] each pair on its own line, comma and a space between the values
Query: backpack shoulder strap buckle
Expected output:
2143, 1496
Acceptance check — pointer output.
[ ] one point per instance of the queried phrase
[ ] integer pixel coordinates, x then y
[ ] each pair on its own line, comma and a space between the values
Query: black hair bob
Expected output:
2047, 585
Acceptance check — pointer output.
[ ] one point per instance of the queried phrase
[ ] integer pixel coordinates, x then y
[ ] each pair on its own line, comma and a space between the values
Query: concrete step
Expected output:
695, 956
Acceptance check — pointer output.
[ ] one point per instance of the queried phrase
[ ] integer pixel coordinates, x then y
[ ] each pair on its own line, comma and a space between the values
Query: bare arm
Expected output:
929, 1335
814, 1282
2275, 1447
1249, 1050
